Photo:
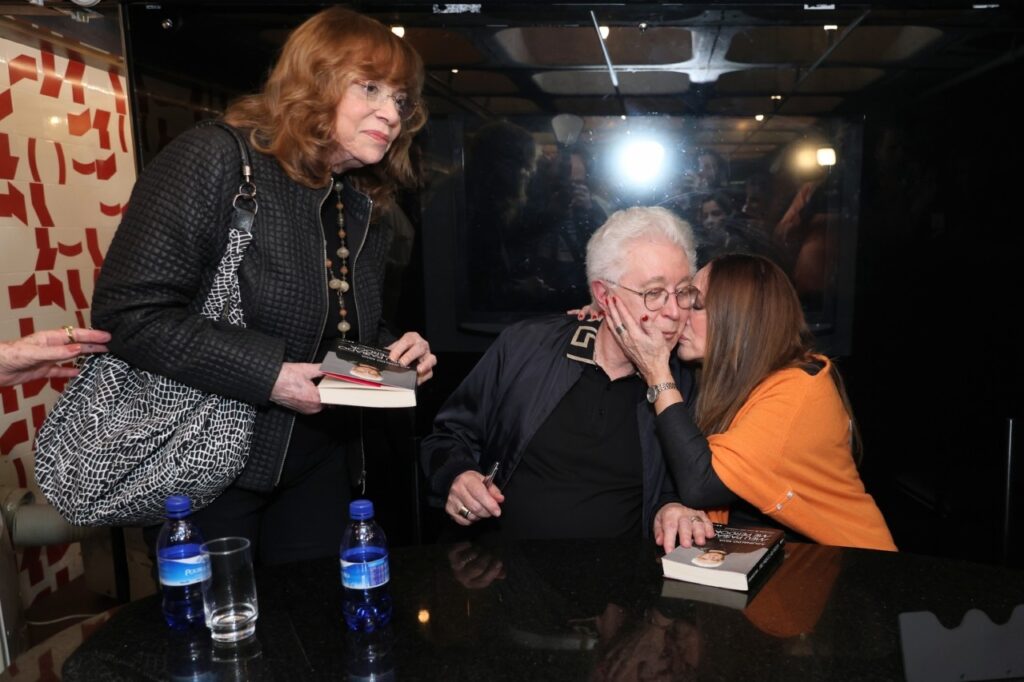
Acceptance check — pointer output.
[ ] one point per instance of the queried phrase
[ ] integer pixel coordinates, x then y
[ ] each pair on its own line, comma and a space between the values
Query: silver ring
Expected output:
464, 512
620, 330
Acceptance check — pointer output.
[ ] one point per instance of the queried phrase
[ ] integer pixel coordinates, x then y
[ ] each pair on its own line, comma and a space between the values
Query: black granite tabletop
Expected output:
595, 610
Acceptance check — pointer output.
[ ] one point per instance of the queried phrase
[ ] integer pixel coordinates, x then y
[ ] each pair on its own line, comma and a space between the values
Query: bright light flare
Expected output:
641, 162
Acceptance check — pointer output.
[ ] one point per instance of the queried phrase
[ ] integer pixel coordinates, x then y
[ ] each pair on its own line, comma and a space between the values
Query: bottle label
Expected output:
365, 575
185, 571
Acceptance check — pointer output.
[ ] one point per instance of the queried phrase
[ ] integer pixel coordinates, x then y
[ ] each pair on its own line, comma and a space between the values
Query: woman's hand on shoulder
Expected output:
589, 312
295, 389
413, 349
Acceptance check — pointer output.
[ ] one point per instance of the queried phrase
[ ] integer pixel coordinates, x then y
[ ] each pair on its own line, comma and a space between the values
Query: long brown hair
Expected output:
292, 118
755, 327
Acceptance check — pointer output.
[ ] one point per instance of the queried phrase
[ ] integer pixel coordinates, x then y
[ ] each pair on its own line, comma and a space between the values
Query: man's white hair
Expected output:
607, 247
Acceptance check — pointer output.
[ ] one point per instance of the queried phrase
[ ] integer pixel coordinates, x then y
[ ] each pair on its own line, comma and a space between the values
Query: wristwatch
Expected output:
654, 391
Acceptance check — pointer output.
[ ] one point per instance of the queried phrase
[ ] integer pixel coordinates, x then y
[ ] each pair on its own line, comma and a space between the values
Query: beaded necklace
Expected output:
339, 284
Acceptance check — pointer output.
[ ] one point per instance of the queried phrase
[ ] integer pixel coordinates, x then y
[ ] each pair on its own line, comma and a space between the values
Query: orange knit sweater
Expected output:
787, 452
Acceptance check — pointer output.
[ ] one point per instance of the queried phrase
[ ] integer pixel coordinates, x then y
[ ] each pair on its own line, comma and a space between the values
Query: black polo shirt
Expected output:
581, 475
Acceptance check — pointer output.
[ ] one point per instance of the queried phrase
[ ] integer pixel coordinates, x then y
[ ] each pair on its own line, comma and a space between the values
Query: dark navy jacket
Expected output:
495, 412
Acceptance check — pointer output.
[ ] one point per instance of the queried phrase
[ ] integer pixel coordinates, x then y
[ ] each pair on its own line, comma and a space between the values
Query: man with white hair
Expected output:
557, 406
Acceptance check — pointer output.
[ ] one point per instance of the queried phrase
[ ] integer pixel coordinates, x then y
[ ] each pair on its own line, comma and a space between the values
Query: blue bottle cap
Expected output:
178, 506
360, 509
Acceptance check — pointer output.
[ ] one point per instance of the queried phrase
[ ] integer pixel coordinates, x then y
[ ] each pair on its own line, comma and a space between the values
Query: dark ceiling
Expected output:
730, 61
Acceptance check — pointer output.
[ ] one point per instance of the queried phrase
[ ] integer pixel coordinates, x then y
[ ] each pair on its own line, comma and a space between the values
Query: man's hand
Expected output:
469, 492
413, 348
690, 526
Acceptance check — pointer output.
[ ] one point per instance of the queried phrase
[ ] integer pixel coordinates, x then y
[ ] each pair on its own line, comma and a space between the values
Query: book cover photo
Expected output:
732, 559
364, 376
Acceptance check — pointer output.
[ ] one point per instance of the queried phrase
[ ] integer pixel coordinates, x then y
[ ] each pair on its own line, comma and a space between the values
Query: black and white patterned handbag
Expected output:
120, 440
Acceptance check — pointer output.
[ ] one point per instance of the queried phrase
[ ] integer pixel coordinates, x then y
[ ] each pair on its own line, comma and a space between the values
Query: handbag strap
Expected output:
224, 300
244, 201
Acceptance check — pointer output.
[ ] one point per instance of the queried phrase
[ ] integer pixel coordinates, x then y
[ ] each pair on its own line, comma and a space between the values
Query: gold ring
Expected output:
70, 331
464, 512
696, 519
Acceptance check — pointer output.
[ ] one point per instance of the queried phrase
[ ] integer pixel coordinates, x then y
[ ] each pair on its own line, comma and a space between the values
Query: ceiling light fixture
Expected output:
826, 156
776, 97
759, 117
604, 31
398, 31
455, 70
831, 27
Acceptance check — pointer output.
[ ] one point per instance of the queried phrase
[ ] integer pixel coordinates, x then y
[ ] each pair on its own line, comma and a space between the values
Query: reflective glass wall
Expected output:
872, 150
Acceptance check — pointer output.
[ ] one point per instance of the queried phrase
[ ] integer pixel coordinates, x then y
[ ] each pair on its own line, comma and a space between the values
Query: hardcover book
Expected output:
732, 559
360, 375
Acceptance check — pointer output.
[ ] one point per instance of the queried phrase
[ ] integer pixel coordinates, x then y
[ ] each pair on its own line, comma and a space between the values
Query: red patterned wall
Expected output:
66, 171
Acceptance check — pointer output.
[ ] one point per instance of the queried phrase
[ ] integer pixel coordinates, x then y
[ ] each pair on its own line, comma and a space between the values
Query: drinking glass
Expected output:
229, 594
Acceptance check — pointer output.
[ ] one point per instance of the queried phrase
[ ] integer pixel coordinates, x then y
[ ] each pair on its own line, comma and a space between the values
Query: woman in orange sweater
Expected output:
779, 428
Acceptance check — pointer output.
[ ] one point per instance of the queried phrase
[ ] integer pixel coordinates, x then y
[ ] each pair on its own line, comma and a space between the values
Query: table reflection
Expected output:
580, 610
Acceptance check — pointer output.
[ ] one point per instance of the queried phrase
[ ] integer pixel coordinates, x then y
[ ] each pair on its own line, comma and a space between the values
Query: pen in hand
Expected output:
489, 478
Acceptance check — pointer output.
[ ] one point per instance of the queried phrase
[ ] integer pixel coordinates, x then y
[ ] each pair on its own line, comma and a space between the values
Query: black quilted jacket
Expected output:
162, 260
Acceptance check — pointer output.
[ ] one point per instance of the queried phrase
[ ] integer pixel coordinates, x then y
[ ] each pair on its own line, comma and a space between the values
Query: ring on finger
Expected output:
696, 519
464, 512
620, 330
70, 331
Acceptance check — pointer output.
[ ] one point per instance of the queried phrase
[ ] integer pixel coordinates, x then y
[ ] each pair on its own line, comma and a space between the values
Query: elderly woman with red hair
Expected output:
329, 135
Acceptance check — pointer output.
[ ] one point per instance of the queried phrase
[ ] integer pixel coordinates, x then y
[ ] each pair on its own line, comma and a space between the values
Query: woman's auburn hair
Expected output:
755, 327
292, 118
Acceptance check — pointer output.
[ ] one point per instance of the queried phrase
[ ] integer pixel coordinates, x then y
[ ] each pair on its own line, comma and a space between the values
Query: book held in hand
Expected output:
732, 559
360, 375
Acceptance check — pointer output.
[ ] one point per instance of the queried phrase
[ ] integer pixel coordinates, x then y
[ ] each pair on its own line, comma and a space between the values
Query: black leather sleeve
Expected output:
162, 260
688, 458
463, 423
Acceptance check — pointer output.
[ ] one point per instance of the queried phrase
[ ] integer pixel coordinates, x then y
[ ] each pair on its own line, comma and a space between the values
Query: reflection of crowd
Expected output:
531, 211
563, 213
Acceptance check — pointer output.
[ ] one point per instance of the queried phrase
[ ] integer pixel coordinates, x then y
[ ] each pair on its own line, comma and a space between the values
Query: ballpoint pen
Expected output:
489, 478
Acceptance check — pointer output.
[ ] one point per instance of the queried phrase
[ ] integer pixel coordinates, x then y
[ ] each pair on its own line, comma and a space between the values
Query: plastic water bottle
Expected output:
181, 565
364, 571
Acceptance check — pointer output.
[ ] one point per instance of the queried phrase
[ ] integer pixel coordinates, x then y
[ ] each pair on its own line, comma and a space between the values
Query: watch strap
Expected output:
654, 391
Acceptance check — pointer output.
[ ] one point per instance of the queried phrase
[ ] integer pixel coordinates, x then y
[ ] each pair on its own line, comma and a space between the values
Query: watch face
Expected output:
652, 394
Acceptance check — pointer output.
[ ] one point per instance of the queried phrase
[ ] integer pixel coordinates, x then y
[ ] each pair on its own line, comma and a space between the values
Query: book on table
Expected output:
364, 376
732, 559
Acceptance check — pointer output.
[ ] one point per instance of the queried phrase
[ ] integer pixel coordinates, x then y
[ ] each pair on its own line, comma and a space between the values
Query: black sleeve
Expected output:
688, 459
162, 257
462, 425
